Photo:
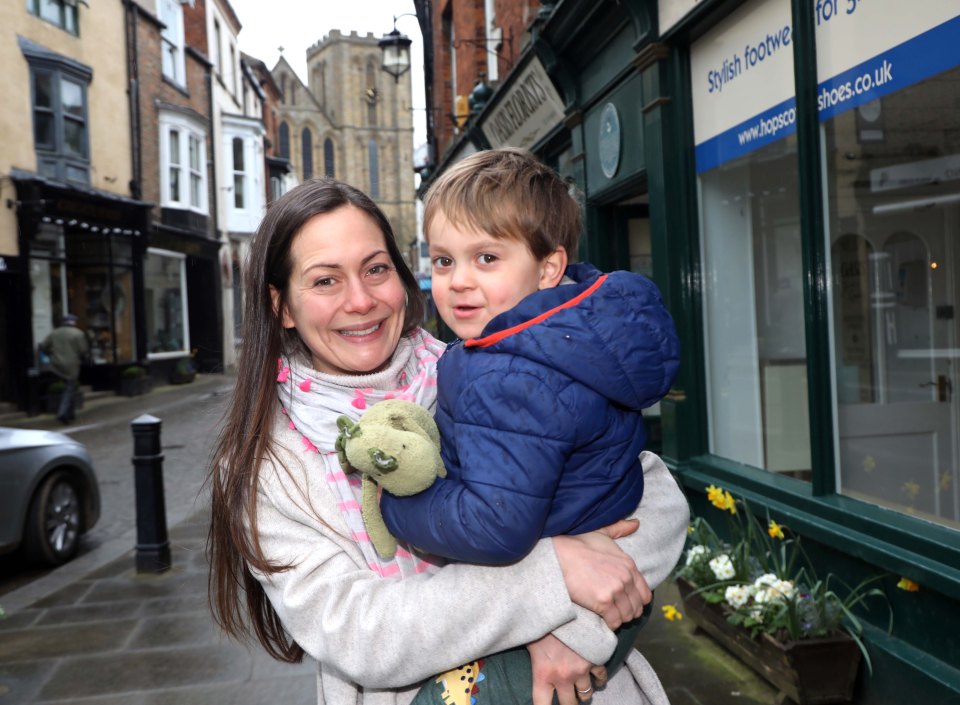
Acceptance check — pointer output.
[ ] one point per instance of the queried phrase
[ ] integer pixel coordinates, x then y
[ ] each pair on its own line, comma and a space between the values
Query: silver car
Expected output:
49, 495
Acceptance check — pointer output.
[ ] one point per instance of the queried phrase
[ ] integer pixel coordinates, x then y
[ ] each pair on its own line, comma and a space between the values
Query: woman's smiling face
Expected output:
345, 297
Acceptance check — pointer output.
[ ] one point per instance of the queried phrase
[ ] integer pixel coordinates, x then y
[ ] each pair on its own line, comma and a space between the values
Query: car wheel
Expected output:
52, 533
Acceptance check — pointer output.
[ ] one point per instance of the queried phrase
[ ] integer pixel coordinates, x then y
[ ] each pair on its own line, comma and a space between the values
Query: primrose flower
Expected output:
738, 595
782, 589
695, 552
671, 613
766, 580
775, 530
722, 567
908, 585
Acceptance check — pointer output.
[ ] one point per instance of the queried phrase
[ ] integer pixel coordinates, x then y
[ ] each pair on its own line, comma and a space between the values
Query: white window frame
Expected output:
169, 354
188, 129
250, 130
173, 41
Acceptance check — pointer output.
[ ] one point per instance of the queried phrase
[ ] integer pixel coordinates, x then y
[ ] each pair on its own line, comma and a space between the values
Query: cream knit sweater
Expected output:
377, 639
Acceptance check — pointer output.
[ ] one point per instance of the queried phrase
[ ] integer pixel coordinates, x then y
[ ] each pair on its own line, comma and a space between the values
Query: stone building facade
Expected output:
352, 122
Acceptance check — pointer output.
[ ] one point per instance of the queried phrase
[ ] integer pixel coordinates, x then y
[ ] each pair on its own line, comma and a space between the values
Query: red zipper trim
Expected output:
494, 338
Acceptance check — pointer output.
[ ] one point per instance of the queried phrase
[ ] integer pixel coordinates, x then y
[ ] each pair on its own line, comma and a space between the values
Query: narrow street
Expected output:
190, 415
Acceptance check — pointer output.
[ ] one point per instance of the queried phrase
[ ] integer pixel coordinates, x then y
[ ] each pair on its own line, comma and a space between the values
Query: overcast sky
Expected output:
298, 24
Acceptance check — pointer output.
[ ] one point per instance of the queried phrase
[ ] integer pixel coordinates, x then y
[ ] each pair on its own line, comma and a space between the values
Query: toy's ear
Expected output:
348, 429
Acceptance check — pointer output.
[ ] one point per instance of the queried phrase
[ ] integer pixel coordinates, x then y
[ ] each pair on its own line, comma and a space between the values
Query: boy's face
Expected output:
477, 277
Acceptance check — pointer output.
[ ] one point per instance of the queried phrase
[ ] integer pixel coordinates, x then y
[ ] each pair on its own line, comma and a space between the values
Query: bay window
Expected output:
183, 171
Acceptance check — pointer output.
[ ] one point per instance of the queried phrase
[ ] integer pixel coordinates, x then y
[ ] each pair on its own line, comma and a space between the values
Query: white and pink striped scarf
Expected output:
313, 400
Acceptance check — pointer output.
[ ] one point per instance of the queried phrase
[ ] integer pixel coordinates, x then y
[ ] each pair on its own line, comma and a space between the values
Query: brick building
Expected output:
172, 153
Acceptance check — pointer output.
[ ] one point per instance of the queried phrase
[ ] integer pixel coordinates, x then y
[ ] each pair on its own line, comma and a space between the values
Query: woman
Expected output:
331, 326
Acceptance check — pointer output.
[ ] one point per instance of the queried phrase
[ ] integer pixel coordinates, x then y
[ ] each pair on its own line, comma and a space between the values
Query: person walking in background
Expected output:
66, 346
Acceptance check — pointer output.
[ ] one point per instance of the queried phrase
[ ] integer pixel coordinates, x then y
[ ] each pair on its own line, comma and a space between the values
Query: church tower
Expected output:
353, 122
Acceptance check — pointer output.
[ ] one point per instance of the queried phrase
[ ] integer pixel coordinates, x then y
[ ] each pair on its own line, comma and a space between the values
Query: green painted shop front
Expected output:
788, 172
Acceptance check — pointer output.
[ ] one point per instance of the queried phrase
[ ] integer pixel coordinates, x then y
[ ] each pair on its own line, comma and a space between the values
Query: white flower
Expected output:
769, 587
738, 595
765, 580
782, 589
695, 552
722, 567
756, 614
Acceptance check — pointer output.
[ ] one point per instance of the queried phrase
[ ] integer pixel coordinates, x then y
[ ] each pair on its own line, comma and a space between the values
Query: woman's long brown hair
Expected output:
238, 602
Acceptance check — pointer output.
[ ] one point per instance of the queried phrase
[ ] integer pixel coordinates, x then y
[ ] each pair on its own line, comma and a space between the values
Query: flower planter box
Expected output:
182, 377
134, 386
809, 672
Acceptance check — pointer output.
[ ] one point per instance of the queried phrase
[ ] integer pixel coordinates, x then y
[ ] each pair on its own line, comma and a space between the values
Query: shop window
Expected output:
373, 165
62, 13
100, 293
329, 163
306, 146
48, 279
889, 87
172, 37
750, 239
59, 100
183, 170
165, 298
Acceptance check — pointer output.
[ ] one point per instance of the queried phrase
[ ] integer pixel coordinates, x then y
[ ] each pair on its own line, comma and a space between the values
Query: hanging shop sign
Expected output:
529, 108
742, 69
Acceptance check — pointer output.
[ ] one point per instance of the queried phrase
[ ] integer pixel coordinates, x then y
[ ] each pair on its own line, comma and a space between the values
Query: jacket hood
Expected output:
609, 332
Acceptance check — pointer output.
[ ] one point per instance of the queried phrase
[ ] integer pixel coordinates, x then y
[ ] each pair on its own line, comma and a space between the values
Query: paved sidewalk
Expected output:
94, 632
113, 636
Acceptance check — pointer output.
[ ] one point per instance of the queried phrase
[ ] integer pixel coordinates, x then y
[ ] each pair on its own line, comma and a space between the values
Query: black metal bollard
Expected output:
153, 548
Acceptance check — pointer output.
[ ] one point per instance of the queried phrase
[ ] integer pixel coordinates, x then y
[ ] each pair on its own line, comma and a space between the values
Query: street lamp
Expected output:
396, 50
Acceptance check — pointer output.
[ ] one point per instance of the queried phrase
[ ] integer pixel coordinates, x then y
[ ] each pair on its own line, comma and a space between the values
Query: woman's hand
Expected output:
558, 668
601, 577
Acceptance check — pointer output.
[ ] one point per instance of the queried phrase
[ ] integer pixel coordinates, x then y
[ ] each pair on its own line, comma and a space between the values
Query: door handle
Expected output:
944, 387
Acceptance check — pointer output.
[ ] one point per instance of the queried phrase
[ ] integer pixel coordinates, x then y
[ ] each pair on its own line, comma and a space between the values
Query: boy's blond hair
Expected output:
508, 193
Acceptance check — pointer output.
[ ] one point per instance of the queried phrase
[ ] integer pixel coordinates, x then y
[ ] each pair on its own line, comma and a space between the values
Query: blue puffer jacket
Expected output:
540, 420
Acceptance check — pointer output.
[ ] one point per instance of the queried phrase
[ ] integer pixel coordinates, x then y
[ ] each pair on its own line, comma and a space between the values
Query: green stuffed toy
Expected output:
395, 445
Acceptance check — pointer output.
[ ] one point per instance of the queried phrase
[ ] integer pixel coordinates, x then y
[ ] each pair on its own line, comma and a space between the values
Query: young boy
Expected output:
539, 402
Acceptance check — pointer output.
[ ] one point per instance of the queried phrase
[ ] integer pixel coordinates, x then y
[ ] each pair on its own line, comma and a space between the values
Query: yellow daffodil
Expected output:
671, 613
729, 503
775, 530
906, 584
721, 499
715, 496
